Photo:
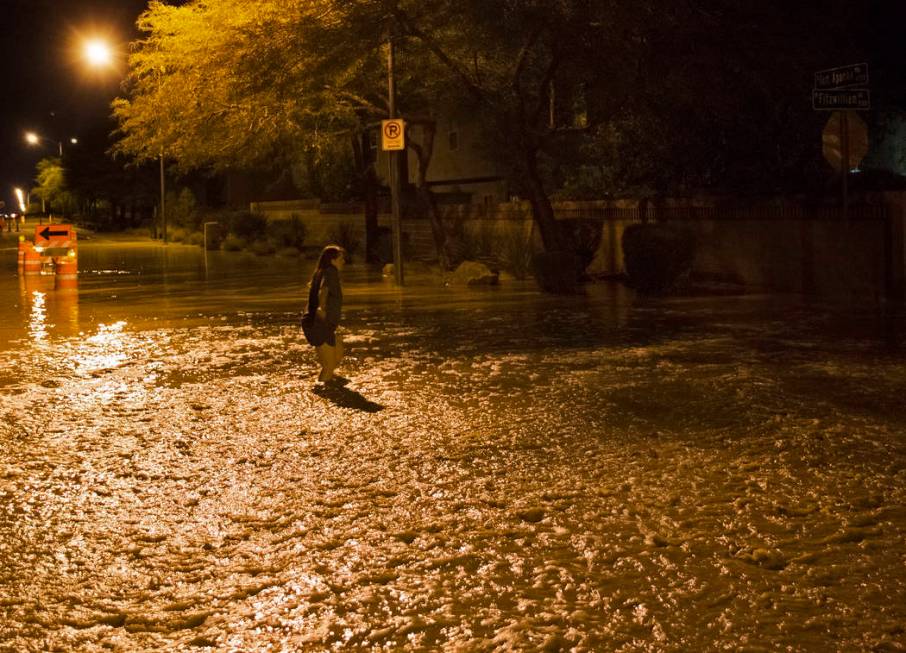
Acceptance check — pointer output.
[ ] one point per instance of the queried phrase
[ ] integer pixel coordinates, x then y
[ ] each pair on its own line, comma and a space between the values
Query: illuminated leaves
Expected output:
221, 83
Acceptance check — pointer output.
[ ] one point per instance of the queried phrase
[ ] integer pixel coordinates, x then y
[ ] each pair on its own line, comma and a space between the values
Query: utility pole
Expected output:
163, 201
394, 174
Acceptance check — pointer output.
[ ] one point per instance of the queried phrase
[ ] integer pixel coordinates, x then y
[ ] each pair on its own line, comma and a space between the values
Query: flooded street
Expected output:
504, 471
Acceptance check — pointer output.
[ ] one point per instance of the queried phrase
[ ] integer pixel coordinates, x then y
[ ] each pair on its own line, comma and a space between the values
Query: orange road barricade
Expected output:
32, 261
55, 245
66, 271
23, 245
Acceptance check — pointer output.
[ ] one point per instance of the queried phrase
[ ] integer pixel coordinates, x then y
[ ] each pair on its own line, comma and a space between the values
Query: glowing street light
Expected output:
98, 53
33, 139
20, 195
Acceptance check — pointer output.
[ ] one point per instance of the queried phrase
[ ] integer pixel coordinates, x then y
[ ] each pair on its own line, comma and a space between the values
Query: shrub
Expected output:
233, 244
345, 235
515, 251
177, 234
658, 257
584, 238
261, 248
195, 238
182, 210
246, 225
476, 243
287, 233
289, 252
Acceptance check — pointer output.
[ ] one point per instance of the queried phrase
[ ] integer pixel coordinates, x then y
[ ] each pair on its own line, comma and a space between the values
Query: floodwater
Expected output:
503, 471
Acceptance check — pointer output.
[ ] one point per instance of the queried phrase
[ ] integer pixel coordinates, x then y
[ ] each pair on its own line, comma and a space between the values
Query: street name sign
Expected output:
393, 134
845, 137
842, 77
858, 99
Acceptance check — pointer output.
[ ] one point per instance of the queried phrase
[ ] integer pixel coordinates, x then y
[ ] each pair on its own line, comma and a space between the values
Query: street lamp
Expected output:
97, 53
23, 205
33, 139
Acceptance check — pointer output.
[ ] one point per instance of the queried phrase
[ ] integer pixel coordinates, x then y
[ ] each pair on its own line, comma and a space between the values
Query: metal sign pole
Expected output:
844, 147
394, 175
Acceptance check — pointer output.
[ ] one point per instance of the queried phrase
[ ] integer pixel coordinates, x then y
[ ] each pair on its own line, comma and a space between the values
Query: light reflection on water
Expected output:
37, 324
504, 471
102, 351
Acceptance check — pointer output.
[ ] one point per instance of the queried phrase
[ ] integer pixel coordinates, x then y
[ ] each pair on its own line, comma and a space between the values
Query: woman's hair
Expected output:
328, 255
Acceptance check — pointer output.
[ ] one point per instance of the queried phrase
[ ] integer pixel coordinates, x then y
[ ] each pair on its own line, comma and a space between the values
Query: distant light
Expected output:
21, 197
74, 140
32, 138
97, 52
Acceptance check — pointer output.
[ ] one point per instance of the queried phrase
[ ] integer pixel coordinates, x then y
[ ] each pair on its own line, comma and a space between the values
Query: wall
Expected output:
781, 245
800, 255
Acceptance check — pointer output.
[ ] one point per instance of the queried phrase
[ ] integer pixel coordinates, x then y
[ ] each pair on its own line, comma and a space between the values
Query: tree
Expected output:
106, 187
224, 85
718, 98
51, 186
509, 57
650, 96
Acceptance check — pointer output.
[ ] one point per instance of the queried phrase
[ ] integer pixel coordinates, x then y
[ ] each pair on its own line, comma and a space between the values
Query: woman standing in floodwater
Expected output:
325, 306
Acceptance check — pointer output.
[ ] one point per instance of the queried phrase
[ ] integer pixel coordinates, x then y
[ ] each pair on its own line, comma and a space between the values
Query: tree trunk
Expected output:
542, 210
364, 161
443, 239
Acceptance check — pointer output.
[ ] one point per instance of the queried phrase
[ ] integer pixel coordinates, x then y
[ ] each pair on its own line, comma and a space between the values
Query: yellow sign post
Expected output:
393, 135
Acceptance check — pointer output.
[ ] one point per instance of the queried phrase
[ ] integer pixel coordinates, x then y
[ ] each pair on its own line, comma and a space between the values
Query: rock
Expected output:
531, 515
473, 273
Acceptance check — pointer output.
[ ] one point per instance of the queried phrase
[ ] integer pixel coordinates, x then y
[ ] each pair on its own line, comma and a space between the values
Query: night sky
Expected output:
46, 88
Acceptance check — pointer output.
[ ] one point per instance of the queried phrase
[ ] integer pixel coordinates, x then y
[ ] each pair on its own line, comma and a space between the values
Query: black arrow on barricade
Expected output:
47, 233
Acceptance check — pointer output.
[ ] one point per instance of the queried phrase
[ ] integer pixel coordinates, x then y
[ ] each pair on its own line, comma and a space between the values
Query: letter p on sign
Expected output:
393, 135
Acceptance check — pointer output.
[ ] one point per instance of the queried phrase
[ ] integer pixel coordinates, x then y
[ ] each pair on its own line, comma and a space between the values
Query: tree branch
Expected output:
545, 84
409, 27
523, 53
362, 102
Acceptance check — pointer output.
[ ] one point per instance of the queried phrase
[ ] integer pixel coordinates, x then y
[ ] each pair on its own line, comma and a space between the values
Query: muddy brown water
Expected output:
504, 470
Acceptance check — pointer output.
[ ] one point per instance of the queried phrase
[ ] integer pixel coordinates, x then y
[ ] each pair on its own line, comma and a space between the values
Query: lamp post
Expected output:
21, 197
34, 139
98, 54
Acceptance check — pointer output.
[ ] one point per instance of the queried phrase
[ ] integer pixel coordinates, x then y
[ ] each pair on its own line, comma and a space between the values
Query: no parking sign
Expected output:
393, 134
